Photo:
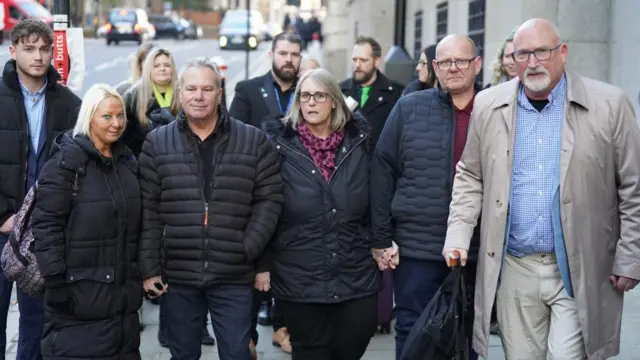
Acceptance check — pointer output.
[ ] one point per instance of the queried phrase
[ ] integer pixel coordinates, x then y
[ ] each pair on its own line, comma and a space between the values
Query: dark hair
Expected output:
376, 50
286, 36
29, 27
430, 53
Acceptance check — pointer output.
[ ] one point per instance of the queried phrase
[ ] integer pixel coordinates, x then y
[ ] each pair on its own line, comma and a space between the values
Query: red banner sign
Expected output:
61, 55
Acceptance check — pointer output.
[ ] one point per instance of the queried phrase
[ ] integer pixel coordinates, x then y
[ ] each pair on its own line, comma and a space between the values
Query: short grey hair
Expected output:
321, 77
201, 62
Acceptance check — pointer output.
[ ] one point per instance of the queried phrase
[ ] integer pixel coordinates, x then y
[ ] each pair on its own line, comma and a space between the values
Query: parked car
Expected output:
192, 30
166, 27
128, 24
234, 35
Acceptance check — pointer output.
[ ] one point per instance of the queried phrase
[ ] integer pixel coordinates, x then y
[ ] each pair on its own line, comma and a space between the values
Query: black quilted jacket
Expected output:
207, 241
412, 176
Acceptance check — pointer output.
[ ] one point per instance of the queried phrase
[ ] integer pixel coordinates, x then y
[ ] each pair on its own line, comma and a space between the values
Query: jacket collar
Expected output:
223, 119
275, 128
10, 76
575, 91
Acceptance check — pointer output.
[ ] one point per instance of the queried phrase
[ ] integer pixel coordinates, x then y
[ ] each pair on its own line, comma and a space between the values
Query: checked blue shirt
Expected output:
538, 137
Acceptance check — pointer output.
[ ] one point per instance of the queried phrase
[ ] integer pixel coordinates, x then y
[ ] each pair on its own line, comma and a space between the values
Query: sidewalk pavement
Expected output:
380, 348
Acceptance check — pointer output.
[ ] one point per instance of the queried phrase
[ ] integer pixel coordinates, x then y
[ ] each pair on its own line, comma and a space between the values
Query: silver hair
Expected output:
201, 62
321, 77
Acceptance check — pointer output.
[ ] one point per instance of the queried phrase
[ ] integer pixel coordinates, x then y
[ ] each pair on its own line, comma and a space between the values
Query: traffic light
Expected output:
293, 3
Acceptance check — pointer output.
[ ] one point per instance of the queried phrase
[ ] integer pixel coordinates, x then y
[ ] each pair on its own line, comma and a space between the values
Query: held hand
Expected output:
263, 281
451, 255
394, 257
7, 226
154, 287
622, 283
384, 257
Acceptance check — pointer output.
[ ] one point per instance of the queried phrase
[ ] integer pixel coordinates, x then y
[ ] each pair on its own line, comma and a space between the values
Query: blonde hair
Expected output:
339, 116
138, 60
499, 75
145, 84
90, 102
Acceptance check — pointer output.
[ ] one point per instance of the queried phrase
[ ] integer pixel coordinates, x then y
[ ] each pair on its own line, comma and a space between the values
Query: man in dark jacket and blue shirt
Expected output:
212, 195
35, 109
413, 167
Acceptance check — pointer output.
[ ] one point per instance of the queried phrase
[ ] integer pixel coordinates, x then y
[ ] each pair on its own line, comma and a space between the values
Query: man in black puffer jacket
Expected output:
35, 108
212, 195
413, 167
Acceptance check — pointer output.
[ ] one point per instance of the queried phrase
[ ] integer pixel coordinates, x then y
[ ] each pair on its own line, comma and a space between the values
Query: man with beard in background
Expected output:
374, 92
270, 95
257, 99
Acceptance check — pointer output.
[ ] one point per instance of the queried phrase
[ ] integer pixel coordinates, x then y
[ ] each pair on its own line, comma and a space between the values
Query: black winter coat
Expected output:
322, 250
414, 169
61, 109
207, 241
86, 247
382, 97
135, 132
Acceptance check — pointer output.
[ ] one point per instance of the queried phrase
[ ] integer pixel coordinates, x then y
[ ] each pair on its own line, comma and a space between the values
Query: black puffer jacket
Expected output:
61, 108
413, 176
241, 215
86, 248
322, 250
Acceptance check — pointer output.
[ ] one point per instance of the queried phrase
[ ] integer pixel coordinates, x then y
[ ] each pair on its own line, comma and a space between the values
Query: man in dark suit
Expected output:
257, 99
270, 95
375, 93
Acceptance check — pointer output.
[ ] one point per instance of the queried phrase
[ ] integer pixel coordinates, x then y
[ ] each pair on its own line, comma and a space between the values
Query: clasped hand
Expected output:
388, 258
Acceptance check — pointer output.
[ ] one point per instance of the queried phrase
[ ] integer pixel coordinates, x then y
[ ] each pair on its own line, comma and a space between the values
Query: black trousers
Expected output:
339, 331
277, 319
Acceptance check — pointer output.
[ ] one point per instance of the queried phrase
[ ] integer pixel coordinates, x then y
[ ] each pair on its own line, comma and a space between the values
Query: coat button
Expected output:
107, 276
334, 211
334, 254
491, 254
361, 135
71, 278
313, 171
277, 146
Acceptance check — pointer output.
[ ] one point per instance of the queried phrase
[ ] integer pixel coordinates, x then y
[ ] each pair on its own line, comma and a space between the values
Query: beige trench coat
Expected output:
599, 195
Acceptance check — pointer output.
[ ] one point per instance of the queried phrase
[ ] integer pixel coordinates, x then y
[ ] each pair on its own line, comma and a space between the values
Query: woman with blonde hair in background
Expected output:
504, 67
320, 266
136, 67
86, 224
308, 64
151, 103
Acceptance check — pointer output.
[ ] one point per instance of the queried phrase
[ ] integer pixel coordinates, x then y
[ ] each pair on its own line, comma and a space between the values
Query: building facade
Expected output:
603, 35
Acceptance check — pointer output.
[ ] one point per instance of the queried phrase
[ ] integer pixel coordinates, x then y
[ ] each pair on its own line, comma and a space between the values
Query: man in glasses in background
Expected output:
552, 164
413, 166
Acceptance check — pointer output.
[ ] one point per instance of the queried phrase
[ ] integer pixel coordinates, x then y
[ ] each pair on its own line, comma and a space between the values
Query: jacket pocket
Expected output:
92, 292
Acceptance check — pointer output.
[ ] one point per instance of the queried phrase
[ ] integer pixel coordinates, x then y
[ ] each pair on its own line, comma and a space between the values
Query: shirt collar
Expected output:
557, 95
25, 90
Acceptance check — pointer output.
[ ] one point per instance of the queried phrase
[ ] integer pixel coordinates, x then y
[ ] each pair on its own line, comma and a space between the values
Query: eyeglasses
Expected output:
318, 97
461, 64
539, 54
422, 63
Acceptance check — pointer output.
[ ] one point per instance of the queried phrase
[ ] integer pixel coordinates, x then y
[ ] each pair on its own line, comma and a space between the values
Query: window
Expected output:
442, 20
476, 27
417, 34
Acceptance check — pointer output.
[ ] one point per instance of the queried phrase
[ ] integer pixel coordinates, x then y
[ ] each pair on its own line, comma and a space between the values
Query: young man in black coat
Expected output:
35, 108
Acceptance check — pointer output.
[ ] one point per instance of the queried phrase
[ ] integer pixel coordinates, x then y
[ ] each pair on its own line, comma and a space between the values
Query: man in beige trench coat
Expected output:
559, 299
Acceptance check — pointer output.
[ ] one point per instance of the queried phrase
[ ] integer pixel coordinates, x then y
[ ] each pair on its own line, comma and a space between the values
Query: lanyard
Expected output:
280, 104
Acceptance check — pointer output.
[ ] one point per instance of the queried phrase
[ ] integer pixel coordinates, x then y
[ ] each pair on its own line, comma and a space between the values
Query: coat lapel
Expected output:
267, 92
575, 96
